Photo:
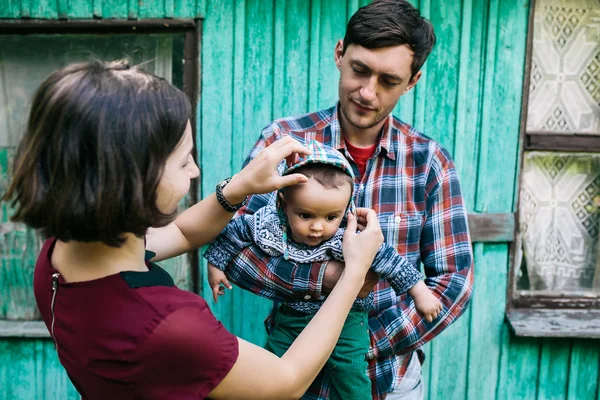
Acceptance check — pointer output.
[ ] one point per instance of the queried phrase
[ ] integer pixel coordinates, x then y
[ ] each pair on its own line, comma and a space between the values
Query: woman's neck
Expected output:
84, 261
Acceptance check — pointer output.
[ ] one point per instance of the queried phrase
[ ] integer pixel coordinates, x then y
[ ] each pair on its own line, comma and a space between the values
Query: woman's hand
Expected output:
261, 176
360, 248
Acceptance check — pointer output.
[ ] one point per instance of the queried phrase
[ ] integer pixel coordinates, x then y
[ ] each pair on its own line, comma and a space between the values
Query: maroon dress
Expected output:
133, 334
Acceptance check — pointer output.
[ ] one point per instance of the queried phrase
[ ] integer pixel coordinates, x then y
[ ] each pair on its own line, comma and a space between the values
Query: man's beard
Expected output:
368, 124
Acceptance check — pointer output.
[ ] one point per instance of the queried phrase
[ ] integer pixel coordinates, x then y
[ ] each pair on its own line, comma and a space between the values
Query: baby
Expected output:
304, 227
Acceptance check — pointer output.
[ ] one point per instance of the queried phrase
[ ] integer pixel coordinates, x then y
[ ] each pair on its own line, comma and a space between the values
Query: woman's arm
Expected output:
258, 374
202, 222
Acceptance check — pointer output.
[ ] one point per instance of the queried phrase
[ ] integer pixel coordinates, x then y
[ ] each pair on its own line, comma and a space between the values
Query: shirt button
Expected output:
307, 297
397, 219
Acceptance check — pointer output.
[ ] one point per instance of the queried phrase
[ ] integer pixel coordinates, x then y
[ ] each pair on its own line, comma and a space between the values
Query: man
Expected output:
407, 178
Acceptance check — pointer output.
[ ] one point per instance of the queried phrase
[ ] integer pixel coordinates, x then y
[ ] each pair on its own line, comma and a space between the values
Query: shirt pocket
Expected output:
403, 231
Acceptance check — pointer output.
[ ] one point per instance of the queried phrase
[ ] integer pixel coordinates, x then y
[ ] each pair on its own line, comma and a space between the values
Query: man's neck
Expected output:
359, 137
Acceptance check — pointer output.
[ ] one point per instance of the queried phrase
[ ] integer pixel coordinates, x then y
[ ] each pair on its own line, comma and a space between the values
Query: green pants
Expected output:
346, 369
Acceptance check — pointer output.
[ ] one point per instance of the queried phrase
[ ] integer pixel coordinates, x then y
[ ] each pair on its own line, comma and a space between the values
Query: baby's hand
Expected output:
425, 302
217, 280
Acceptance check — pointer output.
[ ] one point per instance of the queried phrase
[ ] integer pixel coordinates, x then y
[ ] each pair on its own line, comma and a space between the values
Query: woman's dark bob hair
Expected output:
96, 142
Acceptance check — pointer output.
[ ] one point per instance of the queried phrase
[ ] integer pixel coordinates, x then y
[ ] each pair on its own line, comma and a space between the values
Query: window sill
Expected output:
23, 329
579, 323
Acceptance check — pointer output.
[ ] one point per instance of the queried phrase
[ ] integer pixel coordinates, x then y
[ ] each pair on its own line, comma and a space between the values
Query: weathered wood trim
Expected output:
558, 300
514, 247
558, 142
101, 26
191, 87
555, 323
23, 329
492, 227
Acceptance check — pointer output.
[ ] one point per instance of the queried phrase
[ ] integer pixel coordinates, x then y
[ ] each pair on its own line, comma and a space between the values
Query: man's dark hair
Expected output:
329, 176
94, 150
384, 23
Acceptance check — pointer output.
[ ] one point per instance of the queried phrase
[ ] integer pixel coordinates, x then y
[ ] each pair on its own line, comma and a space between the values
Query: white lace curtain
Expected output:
560, 220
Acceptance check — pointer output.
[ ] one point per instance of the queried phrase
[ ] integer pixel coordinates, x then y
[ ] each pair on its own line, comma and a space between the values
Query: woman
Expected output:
106, 155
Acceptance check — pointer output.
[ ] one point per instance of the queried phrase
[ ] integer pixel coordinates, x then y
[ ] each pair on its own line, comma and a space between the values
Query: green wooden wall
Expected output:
267, 59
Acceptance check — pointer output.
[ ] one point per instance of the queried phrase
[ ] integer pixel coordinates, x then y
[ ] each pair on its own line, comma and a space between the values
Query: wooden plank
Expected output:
491, 266
554, 369
420, 110
405, 109
583, 370
555, 142
556, 299
133, 9
114, 9
449, 353
45, 9
239, 88
184, 9
10, 9
201, 7
501, 147
169, 8
26, 8
351, 7
19, 250
451, 348
296, 65
520, 369
29, 369
492, 227
332, 28
63, 9
81, 9
108, 26
19, 247
501, 378
257, 112
97, 8
314, 54
280, 58
470, 93
555, 323
216, 119
501, 22
443, 69
151, 9
23, 329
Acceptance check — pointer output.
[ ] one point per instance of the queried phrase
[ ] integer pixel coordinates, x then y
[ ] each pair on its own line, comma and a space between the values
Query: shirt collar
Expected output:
385, 142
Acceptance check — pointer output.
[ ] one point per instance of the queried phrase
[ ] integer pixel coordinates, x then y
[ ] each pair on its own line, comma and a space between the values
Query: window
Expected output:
556, 269
30, 51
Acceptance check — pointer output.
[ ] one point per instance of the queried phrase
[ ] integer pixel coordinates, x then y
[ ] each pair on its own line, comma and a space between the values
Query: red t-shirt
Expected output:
361, 155
134, 334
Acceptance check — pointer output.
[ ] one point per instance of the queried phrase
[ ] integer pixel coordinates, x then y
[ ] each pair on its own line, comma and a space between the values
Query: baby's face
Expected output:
315, 212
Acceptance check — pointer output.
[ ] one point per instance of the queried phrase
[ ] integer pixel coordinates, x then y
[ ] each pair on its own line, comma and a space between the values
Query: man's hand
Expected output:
332, 274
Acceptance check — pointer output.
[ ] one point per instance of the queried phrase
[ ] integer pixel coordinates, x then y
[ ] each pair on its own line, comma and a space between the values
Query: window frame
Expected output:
547, 314
192, 31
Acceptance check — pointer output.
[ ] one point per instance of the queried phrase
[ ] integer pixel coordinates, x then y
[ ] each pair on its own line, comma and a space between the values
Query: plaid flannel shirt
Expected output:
412, 185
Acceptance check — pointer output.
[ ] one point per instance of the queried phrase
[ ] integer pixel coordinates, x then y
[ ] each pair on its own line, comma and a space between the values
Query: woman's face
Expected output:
179, 170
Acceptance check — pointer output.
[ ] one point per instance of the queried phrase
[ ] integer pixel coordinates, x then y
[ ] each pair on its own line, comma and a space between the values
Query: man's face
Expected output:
372, 81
